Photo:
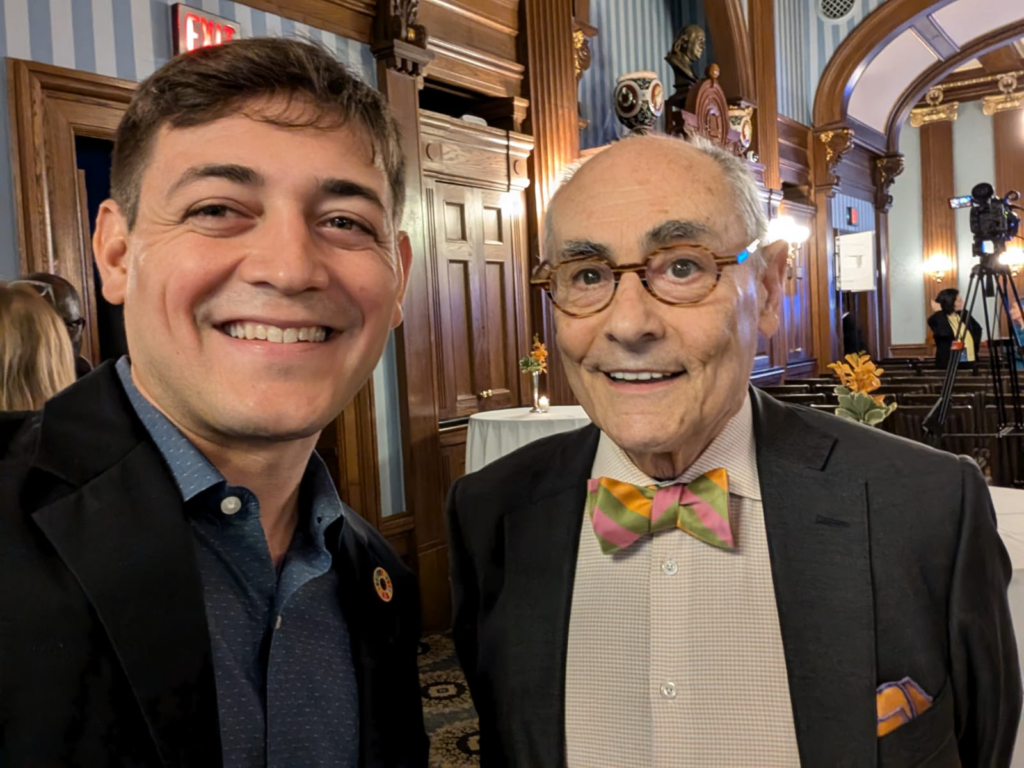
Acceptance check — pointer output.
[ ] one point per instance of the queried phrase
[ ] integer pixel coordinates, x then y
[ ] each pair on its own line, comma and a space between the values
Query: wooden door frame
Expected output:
49, 201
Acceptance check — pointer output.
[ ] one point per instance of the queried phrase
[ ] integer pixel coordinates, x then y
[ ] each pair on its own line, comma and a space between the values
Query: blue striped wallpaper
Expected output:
632, 36
120, 38
804, 44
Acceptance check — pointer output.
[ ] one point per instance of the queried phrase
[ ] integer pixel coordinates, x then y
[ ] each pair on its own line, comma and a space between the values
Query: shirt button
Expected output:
278, 624
668, 690
230, 505
670, 568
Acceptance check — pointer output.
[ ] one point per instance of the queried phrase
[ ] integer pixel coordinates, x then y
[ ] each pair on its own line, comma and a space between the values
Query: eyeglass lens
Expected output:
675, 275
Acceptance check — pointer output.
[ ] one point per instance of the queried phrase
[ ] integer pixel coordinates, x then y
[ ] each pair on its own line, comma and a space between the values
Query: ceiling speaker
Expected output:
834, 11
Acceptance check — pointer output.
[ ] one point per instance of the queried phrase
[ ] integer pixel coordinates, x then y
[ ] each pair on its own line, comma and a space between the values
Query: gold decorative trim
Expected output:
936, 111
1006, 100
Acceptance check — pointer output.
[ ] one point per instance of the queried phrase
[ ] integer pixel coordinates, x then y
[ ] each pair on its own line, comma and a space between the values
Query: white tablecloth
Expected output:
1009, 504
494, 434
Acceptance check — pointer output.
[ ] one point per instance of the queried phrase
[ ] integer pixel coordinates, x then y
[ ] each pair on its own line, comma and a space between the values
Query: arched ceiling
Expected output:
899, 51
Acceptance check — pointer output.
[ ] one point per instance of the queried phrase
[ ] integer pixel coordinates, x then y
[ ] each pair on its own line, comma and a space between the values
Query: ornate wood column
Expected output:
546, 35
400, 50
766, 122
829, 147
938, 221
885, 171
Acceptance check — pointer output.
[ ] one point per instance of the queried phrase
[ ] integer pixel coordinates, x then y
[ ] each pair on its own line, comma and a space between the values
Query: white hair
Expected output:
746, 199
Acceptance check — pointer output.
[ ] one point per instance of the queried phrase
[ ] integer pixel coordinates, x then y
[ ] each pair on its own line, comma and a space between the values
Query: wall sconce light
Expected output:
786, 228
1014, 259
938, 265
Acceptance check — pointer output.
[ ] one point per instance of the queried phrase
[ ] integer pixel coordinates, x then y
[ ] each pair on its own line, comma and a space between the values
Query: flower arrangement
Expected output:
537, 362
859, 377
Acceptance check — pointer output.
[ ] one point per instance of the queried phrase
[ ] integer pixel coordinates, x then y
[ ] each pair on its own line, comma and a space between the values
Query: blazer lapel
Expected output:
541, 542
818, 537
121, 531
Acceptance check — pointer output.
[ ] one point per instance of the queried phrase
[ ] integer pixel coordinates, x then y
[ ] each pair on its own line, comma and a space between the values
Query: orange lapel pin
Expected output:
382, 583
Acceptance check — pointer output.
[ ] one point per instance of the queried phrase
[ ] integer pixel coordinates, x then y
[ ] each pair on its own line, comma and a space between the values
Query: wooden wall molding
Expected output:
937, 219
795, 154
766, 117
547, 50
727, 26
349, 18
462, 153
886, 169
475, 70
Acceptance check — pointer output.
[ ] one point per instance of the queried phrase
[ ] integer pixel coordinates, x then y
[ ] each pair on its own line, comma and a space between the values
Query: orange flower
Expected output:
540, 353
859, 373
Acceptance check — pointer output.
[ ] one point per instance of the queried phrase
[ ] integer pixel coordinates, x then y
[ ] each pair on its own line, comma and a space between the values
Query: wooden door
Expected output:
476, 299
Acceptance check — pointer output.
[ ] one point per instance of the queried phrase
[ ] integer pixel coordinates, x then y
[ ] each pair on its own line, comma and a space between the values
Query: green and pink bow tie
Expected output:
622, 513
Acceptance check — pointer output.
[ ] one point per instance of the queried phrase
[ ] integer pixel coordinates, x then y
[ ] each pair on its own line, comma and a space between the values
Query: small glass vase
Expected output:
535, 382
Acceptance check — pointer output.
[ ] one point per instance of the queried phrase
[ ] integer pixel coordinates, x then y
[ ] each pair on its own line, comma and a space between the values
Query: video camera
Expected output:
993, 221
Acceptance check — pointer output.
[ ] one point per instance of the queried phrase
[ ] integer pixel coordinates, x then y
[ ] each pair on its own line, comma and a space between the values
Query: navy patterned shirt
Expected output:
282, 658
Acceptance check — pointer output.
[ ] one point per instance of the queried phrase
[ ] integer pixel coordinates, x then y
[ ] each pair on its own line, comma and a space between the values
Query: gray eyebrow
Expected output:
673, 231
239, 174
583, 249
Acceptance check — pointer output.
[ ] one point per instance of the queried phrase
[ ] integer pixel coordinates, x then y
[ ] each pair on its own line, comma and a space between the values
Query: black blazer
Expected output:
942, 331
885, 561
104, 649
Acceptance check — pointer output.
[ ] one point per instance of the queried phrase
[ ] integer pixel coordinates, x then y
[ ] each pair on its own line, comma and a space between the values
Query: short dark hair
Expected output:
211, 83
947, 299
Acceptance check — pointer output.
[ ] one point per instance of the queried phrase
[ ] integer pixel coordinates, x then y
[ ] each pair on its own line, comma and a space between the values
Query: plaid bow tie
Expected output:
622, 512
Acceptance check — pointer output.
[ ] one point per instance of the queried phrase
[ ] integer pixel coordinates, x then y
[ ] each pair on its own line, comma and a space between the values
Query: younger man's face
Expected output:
261, 278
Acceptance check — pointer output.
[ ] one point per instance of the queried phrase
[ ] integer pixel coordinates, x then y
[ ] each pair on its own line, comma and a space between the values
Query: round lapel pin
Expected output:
382, 583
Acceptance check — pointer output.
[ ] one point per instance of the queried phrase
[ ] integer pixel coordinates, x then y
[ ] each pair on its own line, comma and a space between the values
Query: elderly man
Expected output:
707, 577
179, 582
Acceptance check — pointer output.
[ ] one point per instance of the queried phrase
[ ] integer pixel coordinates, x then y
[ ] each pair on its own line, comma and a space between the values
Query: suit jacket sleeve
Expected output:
465, 595
985, 669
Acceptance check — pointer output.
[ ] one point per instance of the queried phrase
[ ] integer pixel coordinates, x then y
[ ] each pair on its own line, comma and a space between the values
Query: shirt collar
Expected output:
194, 473
733, 450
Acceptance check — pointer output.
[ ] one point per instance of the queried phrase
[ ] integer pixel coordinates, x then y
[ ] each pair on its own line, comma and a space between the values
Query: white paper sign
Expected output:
856, 254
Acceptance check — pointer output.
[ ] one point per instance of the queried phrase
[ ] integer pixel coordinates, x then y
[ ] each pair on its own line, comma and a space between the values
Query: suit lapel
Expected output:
121, 531
818, 538
541, 542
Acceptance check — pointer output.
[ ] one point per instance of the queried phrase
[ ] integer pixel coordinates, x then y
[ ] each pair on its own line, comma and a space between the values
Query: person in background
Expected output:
946, 328
180, 583
68, 303
35, 353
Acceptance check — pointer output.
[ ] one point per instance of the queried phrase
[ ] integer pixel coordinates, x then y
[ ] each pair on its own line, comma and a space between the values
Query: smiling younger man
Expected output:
707, 577
181, 584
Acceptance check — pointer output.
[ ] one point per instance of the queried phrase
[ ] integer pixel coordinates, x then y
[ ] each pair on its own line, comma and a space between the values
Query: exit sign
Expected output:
195, 29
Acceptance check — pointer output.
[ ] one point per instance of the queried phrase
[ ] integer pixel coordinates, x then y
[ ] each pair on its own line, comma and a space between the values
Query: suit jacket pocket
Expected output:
927, 741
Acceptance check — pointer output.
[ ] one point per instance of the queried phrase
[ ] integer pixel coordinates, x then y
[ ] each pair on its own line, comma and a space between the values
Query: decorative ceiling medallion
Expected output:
935, 112
1006, 100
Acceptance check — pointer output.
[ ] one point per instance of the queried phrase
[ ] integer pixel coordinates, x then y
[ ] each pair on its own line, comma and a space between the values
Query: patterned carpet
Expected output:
447, 707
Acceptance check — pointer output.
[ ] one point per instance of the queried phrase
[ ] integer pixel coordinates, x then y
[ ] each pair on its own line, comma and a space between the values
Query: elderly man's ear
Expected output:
772, 282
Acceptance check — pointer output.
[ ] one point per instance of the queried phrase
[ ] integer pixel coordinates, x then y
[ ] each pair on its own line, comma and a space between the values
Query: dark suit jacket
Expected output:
942, 331
885, 561
104, 649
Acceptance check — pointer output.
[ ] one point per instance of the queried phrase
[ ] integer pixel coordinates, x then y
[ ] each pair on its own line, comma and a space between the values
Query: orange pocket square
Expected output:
899, 703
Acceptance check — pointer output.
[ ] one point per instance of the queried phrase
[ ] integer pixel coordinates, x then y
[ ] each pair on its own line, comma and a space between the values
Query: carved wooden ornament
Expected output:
885, 171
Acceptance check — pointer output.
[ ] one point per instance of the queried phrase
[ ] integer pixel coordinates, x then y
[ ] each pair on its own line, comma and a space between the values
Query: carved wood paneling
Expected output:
546, 48
938, 221
794, 154
798, 320
1008, 132
727, 25
348, 18
766, 127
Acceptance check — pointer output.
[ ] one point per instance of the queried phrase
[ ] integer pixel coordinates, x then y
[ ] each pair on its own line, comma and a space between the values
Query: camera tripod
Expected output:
991, 279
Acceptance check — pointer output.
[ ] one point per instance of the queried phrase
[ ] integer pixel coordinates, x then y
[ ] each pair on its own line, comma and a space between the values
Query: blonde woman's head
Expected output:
36, 361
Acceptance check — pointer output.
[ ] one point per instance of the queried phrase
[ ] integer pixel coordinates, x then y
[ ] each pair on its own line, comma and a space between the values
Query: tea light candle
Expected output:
543, 402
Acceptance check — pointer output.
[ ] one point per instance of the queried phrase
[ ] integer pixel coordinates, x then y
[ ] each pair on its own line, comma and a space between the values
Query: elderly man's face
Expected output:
702, 353
261, 278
